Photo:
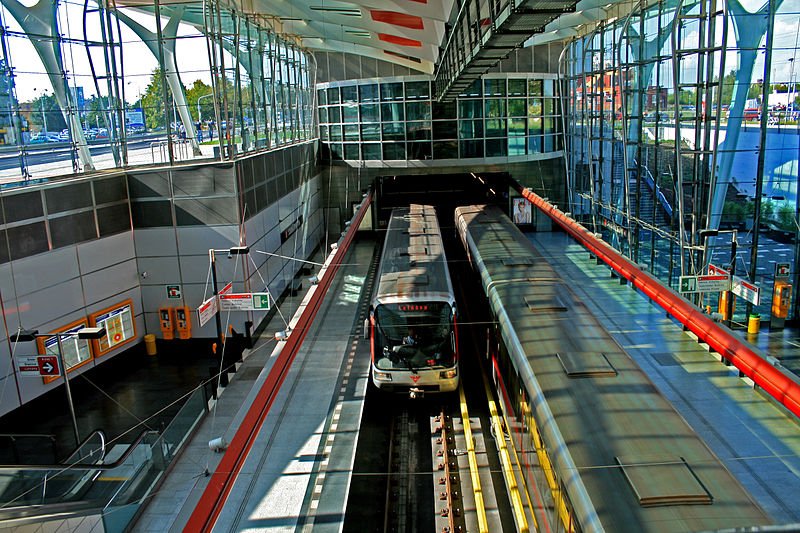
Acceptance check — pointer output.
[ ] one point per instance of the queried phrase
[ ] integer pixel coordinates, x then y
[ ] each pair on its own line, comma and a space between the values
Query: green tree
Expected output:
43, 109
786, 220
754, 91
196, 92
155, 112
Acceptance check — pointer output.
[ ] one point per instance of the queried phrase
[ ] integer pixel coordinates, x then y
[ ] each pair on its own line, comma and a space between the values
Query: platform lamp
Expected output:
234, 250
24, 335
705, 234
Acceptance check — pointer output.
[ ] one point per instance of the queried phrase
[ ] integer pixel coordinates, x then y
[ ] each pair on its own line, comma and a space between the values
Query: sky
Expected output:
138, 61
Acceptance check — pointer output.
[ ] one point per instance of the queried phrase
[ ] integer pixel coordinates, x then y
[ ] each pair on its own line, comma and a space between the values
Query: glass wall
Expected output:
122, 90
682, 141
501, 115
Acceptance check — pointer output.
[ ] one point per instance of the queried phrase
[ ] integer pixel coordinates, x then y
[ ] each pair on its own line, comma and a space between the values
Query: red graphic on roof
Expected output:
398, 19
402, 41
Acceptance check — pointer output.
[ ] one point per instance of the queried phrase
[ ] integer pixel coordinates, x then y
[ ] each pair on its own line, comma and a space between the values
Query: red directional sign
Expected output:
48, 365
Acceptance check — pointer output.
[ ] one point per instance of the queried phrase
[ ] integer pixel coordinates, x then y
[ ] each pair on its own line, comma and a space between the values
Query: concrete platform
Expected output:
298, 472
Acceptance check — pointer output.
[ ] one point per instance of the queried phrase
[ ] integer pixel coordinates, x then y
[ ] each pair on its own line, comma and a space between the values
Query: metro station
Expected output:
372, 265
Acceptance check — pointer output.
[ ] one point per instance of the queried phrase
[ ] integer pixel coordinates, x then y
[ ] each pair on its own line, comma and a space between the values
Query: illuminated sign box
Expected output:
119, 324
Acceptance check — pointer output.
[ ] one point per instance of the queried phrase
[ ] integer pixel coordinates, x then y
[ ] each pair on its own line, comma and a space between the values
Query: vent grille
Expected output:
663, 481
517, 261
545, 303
586, 364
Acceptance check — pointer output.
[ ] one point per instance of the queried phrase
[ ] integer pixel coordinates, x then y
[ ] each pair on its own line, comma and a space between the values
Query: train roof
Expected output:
642, 465
413, 264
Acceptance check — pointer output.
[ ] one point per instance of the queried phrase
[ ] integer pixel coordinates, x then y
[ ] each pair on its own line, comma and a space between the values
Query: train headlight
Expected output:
381, 376
448, 374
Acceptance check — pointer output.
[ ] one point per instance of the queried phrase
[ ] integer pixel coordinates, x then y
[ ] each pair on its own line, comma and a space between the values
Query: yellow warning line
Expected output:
505, 459
480, 507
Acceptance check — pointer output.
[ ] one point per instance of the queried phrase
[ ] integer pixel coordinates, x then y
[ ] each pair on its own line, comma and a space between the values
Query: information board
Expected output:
246, 301
207, 310
75, 351
119, 324
744, 289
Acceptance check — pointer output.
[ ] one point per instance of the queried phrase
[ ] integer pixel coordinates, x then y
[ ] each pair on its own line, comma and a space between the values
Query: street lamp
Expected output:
41, 106
212, 256
200, 113
23, 335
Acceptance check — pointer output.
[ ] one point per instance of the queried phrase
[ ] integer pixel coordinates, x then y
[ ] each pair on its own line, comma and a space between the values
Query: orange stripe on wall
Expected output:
398, 19
402, 41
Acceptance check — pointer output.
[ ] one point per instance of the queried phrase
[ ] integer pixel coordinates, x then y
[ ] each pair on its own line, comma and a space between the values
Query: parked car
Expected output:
41, 138
653, 116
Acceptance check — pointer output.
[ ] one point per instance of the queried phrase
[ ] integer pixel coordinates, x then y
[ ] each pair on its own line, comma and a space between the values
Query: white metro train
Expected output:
412, 317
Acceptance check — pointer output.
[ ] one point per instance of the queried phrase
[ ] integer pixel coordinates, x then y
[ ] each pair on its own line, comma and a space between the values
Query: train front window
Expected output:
414, 336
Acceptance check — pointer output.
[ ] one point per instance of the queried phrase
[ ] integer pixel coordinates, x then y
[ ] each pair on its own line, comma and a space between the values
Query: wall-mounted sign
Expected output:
174, 292
119, 324
75, 352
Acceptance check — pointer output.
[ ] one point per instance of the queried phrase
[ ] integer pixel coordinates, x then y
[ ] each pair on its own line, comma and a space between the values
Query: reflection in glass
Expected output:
418, 110
350, 113
470, 129
391, 112
470, 108
516, 87
496, 148
494, 87
495, 108
371, 132
349, 94
393, 131
417, 90
516, 146
394, 151
391, 91
496, 128
333, 95
369, 113
368, 93
471, 148
418, 130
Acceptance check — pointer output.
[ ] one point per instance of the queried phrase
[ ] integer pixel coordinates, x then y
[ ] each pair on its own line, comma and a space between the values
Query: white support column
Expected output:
170, 67
40, 19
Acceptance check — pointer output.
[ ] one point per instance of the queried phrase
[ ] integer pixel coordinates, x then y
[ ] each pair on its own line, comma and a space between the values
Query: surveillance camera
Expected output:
230, 255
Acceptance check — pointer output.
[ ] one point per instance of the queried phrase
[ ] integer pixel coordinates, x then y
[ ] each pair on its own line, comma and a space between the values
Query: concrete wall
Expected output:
71, 248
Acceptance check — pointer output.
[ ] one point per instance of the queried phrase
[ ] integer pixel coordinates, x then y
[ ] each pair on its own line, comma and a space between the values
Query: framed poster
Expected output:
120, 326
75, 352
520, 210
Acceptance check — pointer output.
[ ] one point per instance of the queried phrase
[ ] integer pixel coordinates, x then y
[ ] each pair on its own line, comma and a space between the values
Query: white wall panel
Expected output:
197, 240
45, 270
101, 253
155, 242
42, 307
10, 400
160, 270
110, 282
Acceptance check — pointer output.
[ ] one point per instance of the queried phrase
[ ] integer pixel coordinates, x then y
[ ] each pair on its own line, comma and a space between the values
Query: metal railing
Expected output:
87, 486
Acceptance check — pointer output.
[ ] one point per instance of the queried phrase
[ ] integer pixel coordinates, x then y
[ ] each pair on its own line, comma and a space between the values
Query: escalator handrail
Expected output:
85, 466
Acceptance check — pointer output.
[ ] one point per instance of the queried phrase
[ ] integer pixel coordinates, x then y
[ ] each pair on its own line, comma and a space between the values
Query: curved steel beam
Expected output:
40, 19
150, 39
